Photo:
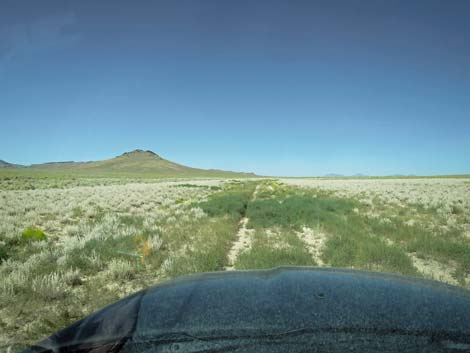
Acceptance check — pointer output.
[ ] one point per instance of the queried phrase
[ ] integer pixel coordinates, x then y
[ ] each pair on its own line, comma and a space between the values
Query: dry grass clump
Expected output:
121, 270
155, 242
51, 286
12, 284
73, 277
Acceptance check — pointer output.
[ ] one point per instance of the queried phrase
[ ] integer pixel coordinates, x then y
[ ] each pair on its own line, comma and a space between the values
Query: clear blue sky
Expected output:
274, 87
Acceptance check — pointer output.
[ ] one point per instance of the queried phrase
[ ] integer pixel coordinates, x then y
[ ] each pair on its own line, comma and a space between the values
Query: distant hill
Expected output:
133, 163
403, 175
333, 175
4, 164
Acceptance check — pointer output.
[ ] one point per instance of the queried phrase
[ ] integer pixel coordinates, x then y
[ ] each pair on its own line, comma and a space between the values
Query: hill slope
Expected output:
134, 163
4, 164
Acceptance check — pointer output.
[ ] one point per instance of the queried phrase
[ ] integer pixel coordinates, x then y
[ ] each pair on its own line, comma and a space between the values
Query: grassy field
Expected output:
69, 246
138, 164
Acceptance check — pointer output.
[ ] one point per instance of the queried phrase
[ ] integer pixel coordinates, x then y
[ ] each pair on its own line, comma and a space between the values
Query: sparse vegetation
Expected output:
296, 210
232, 202
349, 244
3, 253
272, 249
67, 249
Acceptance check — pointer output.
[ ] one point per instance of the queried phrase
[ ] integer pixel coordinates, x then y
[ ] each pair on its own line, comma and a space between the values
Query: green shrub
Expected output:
232, 202
78, 212
33, 234
296, 211
128, 220
456, 209
3, 254
441, 245
364, 251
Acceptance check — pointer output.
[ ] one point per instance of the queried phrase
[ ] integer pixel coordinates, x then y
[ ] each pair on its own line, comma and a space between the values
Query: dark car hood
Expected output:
275, 301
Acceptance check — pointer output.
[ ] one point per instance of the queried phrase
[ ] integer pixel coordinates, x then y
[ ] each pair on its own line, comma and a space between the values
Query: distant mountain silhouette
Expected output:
134, 163
4, 164
333, 175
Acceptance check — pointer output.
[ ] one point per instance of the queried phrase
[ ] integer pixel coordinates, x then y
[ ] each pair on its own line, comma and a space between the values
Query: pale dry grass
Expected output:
126, 223
444, 193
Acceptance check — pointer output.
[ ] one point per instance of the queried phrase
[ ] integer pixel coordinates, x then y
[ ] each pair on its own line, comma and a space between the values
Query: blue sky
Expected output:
275, 87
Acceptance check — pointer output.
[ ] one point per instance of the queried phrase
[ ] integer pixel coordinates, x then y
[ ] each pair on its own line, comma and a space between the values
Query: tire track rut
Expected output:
243, 241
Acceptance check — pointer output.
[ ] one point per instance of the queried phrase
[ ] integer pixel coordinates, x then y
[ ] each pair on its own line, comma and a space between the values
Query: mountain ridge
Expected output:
5, 164
135, 162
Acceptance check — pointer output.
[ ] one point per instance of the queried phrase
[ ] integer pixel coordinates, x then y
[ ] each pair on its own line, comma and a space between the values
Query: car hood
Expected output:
274, 301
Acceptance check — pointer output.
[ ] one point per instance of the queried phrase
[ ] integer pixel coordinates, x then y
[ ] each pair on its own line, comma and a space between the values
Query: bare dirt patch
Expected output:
434, 269
314, 241
244, 239
243, 243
